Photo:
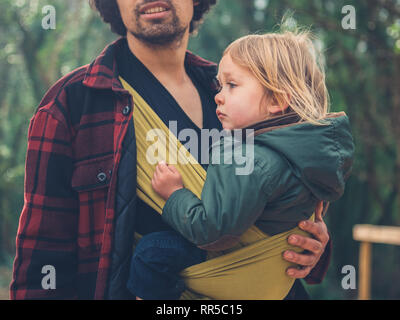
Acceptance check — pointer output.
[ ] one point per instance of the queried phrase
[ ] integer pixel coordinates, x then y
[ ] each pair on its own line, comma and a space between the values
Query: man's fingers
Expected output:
306, 260
318, 211
306, 243
316, 229
298, 273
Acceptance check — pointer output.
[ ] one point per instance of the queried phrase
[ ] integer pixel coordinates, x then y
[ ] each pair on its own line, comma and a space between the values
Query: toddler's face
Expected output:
241, 100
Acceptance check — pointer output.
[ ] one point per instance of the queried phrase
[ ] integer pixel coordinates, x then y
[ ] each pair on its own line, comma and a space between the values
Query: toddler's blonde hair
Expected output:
287, 65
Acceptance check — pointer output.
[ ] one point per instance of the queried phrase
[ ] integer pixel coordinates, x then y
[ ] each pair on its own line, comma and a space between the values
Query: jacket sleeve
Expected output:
45, 265
229, 205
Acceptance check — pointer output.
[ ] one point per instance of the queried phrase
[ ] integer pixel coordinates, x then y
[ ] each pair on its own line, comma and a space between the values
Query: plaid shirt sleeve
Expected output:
47, 229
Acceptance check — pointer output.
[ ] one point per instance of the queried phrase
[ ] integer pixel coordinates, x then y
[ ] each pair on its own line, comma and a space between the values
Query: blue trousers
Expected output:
157, 261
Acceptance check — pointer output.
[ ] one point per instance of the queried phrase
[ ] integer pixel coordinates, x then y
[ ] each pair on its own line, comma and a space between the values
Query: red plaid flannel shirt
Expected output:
74, 148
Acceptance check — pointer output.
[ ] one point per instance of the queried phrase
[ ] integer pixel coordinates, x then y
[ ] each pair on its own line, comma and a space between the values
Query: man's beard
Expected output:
159, 33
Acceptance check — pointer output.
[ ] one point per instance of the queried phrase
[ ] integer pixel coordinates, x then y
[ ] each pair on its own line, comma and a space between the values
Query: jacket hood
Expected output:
320, 156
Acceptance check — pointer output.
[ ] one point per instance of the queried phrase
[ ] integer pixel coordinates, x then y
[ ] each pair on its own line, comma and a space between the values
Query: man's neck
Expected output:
166, 63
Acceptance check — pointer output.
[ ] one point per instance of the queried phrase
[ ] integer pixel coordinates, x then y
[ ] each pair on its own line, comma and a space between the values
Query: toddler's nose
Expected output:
219, 98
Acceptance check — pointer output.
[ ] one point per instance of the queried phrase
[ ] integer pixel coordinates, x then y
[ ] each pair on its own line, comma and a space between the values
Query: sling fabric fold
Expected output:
254, 268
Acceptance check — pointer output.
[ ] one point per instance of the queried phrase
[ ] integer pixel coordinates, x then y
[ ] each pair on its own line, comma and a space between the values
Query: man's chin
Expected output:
160, 37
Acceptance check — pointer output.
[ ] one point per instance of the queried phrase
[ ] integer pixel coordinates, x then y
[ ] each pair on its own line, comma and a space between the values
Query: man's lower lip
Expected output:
157, 15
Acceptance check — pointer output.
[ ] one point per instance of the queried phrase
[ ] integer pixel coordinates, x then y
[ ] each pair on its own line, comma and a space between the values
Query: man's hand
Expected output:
316, 246
166, 180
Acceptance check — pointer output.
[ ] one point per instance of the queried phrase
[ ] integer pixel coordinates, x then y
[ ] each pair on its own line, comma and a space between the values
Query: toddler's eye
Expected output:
231, 85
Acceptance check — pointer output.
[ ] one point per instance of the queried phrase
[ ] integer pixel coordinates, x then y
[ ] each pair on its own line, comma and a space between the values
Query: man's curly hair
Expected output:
109, 11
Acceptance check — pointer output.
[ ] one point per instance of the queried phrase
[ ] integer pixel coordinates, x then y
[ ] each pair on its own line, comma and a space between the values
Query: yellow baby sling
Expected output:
254, 269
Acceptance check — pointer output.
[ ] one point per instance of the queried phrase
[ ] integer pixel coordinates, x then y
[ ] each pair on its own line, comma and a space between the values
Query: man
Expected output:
81, 209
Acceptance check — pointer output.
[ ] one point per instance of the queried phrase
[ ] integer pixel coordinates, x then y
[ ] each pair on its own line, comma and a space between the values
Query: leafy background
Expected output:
363, 77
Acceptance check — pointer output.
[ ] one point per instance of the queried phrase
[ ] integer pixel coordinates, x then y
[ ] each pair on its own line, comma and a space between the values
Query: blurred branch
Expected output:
82, 41
389, 5
29, 49
73, 18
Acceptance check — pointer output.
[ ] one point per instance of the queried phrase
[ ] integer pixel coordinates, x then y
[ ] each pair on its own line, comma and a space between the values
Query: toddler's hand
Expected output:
166, 180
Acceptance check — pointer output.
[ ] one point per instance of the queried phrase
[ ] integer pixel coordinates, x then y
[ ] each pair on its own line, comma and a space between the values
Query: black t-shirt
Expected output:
163, 103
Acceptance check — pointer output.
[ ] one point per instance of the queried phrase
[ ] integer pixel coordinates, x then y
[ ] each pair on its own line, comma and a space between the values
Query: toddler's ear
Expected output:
276, 110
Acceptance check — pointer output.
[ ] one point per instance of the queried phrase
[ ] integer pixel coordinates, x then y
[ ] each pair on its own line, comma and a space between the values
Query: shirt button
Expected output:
126, 110
102, 177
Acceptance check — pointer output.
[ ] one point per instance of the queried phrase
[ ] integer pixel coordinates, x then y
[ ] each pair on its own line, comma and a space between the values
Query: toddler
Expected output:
273, 84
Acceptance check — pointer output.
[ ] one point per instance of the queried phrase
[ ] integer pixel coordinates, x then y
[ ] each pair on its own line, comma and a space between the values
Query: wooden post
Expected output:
368, 234
364, 289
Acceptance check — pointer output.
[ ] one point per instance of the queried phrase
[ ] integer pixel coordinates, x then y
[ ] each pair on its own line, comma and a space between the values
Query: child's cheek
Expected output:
227, 126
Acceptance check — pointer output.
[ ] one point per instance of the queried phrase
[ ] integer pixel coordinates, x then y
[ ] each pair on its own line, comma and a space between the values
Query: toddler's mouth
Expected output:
220, 114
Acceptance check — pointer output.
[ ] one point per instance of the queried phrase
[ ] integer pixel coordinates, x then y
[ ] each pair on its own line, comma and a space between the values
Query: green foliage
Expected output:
363, 77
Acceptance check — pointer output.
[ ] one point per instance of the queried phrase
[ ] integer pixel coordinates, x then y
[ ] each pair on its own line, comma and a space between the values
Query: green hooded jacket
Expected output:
276, 183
